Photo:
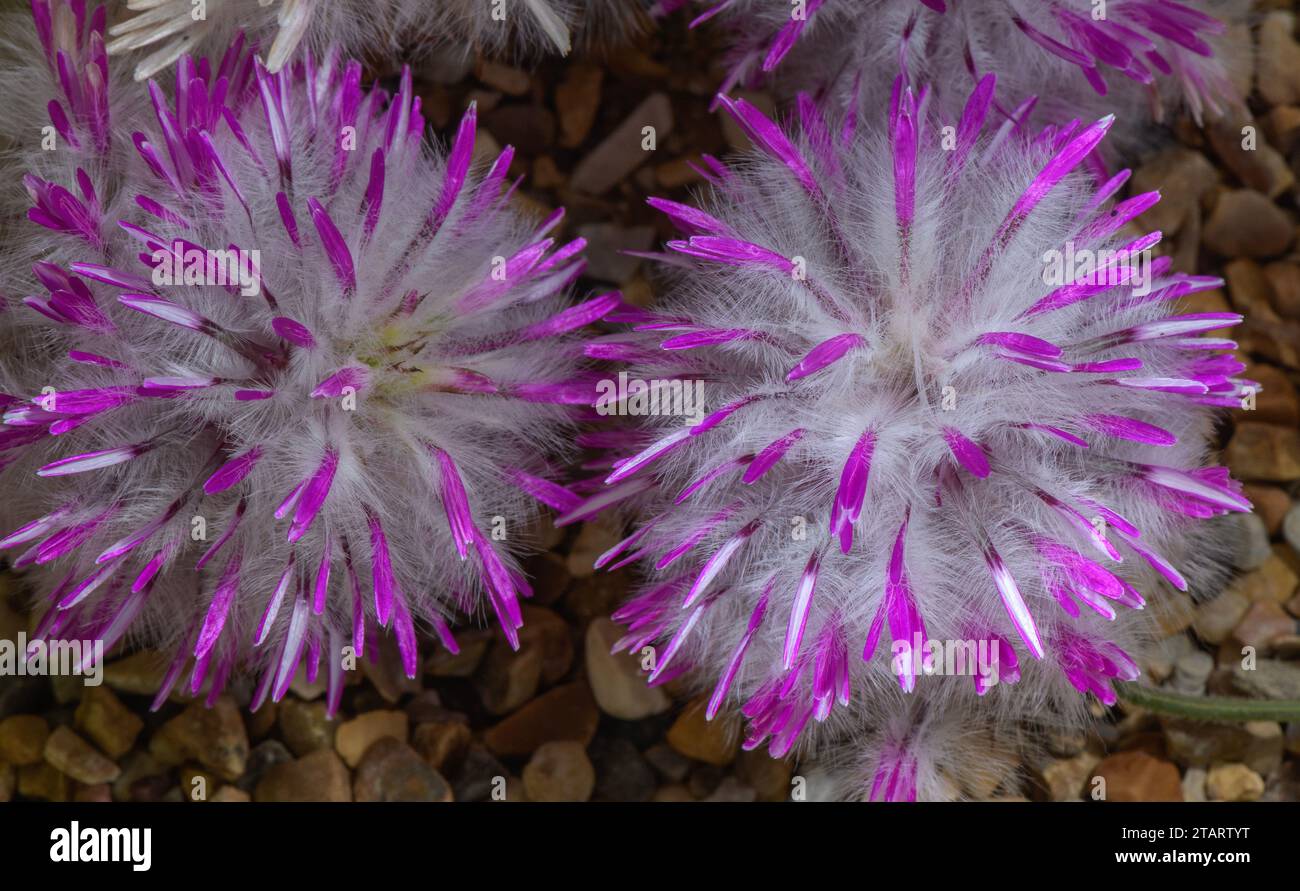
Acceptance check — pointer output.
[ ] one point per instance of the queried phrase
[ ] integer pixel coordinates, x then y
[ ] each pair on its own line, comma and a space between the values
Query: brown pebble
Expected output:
22, 739
393, 771
320, 776
567, 712
442, 743
713, 742
559, 771
72, 755
1137, 776
354, 737
110, 724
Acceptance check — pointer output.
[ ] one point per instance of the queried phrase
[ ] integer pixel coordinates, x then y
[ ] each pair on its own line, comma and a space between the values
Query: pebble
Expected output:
352, 738
135, 765
1265, 452
593, 539
1182, 176
426, 706
1285, 281
1270, 679
1251, 293
1257, 744
72, 755
616, 679
215, 737
704, 780
1282, 124
304, 726
622, 773
670, 764
620, 153
385, 673
139, 674
231, 794
473, 644
22, 739
1065, 779
1253, 548
577, 99
393, 771
733, 790
546, 175
675, 792
1194, 784
1271, 505
1216, 618
1276, 401
767, 776
509, 80
99, 793
1273, 582
1138, 776
264, 720
442, 743
197, 785
1233, 782
607, 262
1291, 528
679, 172
110, 724
1261, 167
261, 759
713, 742
1191, 671
1262, 624
545, 629
529, 128
44, 782
567, 712
320, 776
559, 771
508, 678
476, 779
595, 597
1277, 59
1245, 223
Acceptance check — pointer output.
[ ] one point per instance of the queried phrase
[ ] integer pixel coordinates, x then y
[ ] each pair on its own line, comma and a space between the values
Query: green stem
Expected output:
1219, 709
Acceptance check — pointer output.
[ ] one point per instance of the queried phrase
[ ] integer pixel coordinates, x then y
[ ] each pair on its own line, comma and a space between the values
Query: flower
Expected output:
168, 28
1097, 58
298, 372
954, 426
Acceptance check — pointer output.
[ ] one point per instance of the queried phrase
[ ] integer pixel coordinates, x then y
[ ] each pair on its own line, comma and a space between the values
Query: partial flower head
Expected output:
162, 30
1082, 59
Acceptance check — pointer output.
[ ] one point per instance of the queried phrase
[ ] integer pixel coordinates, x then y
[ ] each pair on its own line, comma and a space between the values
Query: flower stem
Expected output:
1219, 709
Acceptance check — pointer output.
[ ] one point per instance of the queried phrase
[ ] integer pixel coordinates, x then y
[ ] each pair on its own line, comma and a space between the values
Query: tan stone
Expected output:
559, 771
713, 742
353, 737
110, 724
616, 680
1137, 776
72, 755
